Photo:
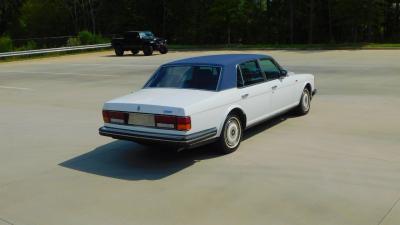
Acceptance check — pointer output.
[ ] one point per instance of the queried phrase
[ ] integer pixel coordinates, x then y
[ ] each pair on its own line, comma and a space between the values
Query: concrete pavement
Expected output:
340, 164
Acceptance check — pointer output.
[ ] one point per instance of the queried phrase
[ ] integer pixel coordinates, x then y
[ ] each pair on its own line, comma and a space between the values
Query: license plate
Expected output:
140, 119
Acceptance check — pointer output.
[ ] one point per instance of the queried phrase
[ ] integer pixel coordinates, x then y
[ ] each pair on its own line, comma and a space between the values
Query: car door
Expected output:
136, 41
130, 39
254, 91
283, 85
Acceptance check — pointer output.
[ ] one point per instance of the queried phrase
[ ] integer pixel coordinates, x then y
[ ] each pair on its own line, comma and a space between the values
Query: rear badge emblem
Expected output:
167, 111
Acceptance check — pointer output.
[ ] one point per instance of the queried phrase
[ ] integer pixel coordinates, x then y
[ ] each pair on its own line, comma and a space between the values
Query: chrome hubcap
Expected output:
306, 101
232, 133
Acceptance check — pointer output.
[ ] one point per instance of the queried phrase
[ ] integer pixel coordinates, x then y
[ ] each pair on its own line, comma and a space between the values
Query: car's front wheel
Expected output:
231, 135
305, 102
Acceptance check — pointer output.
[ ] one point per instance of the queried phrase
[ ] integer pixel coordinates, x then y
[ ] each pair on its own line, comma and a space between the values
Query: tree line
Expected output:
209, 21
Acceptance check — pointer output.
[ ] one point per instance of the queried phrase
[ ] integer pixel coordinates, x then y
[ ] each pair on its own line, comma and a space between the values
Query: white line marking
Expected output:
53, 73
16, 88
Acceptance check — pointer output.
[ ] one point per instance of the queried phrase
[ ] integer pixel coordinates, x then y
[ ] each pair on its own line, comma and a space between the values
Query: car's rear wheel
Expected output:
231, 135
135, 52
163, 49
119, 51
305, 103
148, 50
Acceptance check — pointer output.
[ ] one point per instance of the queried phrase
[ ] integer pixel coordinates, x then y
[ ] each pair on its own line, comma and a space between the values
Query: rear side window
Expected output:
251, 73
131, 35
270, 69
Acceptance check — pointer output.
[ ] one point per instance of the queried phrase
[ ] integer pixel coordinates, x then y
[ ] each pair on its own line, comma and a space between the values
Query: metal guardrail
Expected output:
53, 50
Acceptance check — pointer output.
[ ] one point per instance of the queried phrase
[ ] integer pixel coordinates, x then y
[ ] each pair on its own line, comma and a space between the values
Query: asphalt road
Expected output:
338, 165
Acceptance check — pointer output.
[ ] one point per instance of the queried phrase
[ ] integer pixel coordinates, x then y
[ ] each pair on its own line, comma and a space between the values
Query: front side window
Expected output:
187, 77
146, 34
270, 69
251, 73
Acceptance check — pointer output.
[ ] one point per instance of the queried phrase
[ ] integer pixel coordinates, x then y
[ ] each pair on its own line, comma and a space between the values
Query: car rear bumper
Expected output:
183, 141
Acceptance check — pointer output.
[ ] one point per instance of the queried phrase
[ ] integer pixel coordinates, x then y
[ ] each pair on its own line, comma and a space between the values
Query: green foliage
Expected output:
9, 9
30, 45
41, 18
207, 21
87, 38
238, 47
98, 39
73, 41
6, 44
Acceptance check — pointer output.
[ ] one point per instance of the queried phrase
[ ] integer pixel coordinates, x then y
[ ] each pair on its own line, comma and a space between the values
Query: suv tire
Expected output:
148, 50
119, 51
163, 50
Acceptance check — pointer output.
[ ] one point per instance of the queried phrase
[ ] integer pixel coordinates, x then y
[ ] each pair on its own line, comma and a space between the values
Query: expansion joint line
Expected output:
6, 221
389, 211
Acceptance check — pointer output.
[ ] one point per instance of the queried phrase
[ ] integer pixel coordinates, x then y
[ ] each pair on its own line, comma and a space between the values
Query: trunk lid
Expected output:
165, 101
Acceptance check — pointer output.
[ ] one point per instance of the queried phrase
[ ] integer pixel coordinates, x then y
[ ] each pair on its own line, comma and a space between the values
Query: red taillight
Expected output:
161, 121
106, 116
115, 117
183, 123
165, 121
173, 122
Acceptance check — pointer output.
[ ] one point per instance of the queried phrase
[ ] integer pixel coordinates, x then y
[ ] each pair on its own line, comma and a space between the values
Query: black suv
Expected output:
136, 41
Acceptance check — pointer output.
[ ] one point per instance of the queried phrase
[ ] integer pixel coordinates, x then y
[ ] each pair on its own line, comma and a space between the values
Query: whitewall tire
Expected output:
305, 102
231, 134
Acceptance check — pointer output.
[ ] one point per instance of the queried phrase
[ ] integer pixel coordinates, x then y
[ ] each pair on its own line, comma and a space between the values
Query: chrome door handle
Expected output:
274, 87
245, 95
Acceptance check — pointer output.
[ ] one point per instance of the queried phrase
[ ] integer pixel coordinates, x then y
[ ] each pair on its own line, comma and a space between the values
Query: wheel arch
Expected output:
308, 86
238, 110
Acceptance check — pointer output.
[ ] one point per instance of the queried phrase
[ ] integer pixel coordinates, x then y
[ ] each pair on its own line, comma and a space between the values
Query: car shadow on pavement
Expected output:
130, 161
267, 125
130, 55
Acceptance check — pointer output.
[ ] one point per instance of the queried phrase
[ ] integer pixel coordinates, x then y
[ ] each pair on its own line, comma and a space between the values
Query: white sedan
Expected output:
195, 101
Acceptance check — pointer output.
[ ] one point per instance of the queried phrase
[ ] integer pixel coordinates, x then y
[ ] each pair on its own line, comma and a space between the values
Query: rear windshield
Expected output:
188, 77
